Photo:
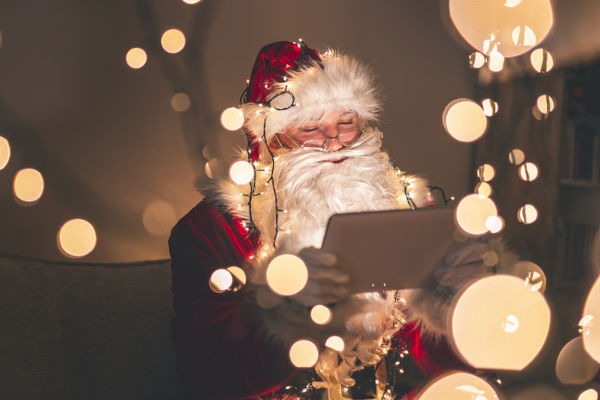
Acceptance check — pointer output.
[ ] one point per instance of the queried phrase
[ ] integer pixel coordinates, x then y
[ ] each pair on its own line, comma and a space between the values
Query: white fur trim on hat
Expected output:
337, 82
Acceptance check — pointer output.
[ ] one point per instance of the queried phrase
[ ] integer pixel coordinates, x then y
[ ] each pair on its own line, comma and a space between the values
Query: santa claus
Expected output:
310, 118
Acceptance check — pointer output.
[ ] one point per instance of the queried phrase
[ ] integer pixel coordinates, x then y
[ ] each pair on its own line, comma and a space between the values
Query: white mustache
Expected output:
367, 144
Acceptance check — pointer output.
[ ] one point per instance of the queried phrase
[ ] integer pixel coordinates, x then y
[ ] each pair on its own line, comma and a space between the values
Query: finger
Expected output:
320, 294
336, 275
312, 255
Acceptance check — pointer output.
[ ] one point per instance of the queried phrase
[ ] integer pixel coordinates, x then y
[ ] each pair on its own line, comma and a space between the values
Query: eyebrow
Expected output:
346, 113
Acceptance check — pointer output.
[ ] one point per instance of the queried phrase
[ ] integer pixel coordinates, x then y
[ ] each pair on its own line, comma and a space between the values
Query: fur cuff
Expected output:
462, 265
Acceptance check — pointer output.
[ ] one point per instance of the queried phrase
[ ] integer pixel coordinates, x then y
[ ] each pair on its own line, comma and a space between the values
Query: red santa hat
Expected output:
292, 83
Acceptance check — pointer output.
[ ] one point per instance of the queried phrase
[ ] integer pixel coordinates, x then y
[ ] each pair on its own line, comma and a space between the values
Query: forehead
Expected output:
332, 115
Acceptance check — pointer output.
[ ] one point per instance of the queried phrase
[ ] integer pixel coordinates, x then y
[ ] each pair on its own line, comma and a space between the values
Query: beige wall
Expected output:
108, 143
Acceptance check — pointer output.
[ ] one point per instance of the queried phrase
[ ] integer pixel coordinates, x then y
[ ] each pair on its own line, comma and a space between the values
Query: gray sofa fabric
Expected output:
73, 330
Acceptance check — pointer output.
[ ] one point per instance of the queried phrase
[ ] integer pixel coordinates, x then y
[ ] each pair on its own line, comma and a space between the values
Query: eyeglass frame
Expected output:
327, 139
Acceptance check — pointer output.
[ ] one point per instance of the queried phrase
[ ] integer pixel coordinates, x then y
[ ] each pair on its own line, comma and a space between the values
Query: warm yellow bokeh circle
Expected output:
77, 238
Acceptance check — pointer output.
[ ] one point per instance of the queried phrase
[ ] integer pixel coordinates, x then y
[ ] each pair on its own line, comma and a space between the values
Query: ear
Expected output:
275, 143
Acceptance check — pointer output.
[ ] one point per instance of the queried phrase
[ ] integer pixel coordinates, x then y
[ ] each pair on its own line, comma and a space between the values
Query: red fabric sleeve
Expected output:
432, 356
221, 352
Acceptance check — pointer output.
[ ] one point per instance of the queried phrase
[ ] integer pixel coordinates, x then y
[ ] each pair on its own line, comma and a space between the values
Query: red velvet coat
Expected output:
221, 353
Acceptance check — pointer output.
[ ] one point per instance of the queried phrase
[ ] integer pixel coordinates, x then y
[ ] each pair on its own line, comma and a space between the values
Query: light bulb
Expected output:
136, 58
320, 314
220, 280
241, 172
287, 274
527, 214
232, 118
472, 213
545, 104
77, 238
4, 152
28, 185
486, 172
464, 120
304, 354
528, 172
335, 342
172, 41
541, 60
499, 309
516, 156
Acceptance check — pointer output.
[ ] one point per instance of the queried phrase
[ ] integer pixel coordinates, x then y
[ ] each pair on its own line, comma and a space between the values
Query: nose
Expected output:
333, 144
332, 134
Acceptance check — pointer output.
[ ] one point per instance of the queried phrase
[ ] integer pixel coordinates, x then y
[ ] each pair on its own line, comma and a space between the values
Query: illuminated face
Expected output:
331, 132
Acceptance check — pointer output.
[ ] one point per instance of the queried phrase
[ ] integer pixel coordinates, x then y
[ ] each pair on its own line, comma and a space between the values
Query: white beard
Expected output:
311, 188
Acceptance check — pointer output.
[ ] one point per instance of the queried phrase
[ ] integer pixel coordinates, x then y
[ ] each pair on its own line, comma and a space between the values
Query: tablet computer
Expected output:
388, 250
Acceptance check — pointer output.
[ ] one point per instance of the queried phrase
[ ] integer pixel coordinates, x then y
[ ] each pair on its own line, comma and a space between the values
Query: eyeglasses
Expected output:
348, 127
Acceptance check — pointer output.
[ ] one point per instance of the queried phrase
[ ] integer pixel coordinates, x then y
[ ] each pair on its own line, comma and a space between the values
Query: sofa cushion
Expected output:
86, 331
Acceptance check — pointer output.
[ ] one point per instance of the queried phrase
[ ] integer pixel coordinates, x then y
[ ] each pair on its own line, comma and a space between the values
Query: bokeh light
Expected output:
512, 3
159, 217
335, 342
476, 60
573, 365
220, 280
590, 322
496, 61
304, 354
212, 168
541, 60
4, 152
499, 309
464, 120
206, 153
494, 223
136, 58
287, 274
527, 214
232, 118
516, 156
524, 36
180, 102
528, 172
589, 394
545, 104
191, 1
490, 258
490, 107
172, 41
472, 213
531, 273
458, 386
484, 189
28, 185
486, 172
241, 172
535, 111
513, 26
77, 238
320, 314
238, 273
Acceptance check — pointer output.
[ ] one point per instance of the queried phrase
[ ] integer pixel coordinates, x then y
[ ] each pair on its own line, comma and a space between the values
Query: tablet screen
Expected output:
388, 250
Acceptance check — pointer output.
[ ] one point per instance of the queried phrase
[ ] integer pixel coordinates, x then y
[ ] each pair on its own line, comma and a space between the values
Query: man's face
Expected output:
332, 132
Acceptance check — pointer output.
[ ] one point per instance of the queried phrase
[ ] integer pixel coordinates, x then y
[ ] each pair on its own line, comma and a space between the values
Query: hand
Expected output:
327, 282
